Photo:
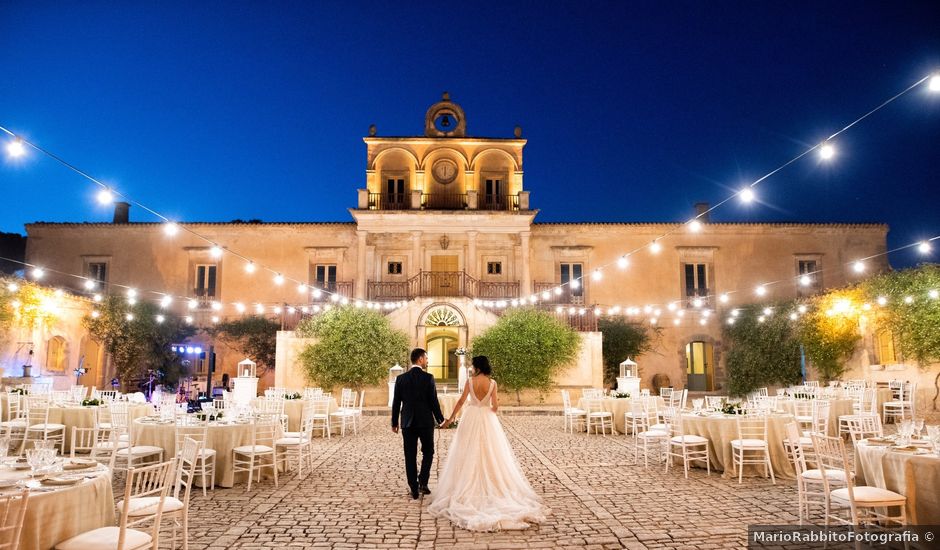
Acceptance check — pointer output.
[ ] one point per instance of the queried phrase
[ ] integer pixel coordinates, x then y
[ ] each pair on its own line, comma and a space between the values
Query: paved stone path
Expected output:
357, 498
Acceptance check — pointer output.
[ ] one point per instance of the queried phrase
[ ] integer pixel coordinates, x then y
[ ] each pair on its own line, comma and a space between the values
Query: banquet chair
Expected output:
645, 392
637, 419
714, 402
190, 427
597, 417
85, 440
751, 446
649, 440
356, 412
665, 392
345, 414
14, 427
865, 402
175, 506
809, 484
321, 415
37, 415
688, 447
864, 504
103, 395
903, 406
126, 453
12, 516
298, 445
260, 454
864, 426
151, 482
77, 394
571, 415
310, 393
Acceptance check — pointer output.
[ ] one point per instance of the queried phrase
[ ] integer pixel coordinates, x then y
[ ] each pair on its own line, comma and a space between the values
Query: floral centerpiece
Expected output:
620, 394
460, 351
731, 408
210, 416
90, 402
294, 395
19, 391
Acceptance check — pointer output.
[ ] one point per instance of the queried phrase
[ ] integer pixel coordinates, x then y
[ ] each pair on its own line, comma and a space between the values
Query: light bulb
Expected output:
924, 246
695, 226
672, 306
131, 301
95, 314
934, 293
170, 229
746, 194
730, 320
302, 288
597, 275
761, 290
166, 301
697, 302
908, 299
16, 149
768, 311
827, 151
216, 251
794, 316
215, 319
250, 267
801, 309
882, 300
806, 280
89, 284
703, 322
760, 319
278, 279
575, 284
192, 304
129, 316
655, 247
623, 262
105, 196
188, 319
13, 287
316, 293
558, 291
676, 322
216, 306
97, 297
131, 293
934, 83
38, 272
239, 307
160, 318
724, 298
858, 266
546, 295
735, 312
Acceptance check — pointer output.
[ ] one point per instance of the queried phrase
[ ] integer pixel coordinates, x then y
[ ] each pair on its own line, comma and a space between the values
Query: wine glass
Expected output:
905, 429
4, 447
34, 459
919, 426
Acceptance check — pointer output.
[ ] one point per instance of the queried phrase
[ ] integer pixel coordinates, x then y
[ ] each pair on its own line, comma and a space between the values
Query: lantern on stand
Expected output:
392, 376
463, 372
246, 383
629, 379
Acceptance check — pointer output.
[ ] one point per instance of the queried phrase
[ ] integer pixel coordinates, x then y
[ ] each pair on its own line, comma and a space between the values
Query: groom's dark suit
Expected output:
416, 399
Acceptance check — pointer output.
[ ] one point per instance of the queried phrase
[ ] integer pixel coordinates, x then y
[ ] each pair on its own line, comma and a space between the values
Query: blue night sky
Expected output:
633, 111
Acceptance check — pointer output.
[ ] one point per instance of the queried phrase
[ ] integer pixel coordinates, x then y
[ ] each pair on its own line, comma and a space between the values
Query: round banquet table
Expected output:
56, 514
837, 408
618, 407
294, 409
83, 417
720, 429
914, 473
222, 437
448, 401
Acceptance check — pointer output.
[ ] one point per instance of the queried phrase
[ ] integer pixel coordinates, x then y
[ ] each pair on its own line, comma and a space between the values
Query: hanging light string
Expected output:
825, 148
193, 305
108, 193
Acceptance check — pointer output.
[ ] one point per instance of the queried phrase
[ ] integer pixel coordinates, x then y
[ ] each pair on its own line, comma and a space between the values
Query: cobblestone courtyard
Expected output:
356, 497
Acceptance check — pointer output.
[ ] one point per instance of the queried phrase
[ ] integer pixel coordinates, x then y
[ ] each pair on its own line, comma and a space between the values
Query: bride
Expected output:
482, 487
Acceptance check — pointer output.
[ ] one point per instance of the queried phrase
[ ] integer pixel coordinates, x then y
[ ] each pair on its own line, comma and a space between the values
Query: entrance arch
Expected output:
443, 329
700, 365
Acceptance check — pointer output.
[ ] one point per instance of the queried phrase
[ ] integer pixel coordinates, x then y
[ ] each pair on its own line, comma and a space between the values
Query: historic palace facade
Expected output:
445, 225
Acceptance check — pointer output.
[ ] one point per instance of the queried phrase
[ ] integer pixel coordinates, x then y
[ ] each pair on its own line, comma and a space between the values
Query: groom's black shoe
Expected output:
424, 490
414, 492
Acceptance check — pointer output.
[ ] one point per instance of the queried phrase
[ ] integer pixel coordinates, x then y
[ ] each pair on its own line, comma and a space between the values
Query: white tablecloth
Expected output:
915, 475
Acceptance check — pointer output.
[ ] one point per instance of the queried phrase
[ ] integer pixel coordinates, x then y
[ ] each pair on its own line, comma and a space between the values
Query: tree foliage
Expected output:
527, 348
623, 339
254, 337
355, 347
142, 343
29, 305
829, 331
761, 353
914, 324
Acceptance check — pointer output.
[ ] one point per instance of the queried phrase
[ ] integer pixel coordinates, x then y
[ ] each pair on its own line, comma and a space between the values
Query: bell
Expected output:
445, 121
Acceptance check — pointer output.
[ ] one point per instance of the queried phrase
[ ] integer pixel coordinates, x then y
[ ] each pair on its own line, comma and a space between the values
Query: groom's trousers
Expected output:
411, 437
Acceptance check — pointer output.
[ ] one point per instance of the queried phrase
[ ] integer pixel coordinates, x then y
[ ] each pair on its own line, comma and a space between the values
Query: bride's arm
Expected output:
463, 397
493, 398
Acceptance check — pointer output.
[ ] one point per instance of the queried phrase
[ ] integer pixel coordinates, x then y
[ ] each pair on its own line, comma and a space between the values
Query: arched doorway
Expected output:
443, 327
700, 365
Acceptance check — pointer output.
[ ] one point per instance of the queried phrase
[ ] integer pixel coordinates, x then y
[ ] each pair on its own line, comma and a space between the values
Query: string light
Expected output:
302, 288
908, 299
859, 266
160, 318
655, 247
131, 301
806, 280
250, 267
192, 304
924, 247
131, 293
761, 290
695, 226
166, 301
575, 284
216, 251
934, 84
239, 307
95, 314
129, 316
105, 196
278, 279
316, 293
597, 275
934, 293
746, 194
15, 148
724, 298
827, 151
97, 297
38, 272
623, 262
89, 284
882, 300
170, 229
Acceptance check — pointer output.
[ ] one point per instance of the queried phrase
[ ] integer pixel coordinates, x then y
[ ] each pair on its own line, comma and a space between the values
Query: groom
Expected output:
416, 399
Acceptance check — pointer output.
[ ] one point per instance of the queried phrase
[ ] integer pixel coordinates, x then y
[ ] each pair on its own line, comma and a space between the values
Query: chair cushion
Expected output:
291, 434
689, 439
653, 434
660, 427
105, 538
806, 441
868, 495
573, 410
47, 427
18, 423
288, 441
147, 506
248, 449
749, 443
804, 418
202, 452
816, 474
601, 414
140, 450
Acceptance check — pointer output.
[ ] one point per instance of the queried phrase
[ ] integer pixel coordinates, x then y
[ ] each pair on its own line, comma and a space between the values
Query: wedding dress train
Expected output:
482, 487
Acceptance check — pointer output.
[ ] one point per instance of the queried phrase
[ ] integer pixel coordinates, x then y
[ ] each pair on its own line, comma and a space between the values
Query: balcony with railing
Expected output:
442, 284
389, 201
204, 297
342, 288
697, 297
444, 201
416, 200
567, 295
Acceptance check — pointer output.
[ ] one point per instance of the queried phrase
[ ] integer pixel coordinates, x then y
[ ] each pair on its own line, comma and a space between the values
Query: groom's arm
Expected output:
433, 402
396, 405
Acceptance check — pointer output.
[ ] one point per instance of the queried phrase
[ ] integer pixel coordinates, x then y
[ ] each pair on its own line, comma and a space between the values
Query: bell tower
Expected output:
445, 119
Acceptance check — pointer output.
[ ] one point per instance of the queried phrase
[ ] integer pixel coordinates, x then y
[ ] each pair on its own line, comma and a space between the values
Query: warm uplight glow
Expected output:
278, 279
827, 151
761, 290
623, 262
250, 267
746, 194
655, 247
695, 226
859, 266
170, 229
923, 247
105, 196
16, 148
216, 251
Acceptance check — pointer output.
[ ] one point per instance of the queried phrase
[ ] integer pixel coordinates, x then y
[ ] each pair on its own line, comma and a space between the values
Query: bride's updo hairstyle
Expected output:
481, 364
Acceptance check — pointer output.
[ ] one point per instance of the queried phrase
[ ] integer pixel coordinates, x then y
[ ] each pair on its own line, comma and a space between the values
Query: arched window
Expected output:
55, 354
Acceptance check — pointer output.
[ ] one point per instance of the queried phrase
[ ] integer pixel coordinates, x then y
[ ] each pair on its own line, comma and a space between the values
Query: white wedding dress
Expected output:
482, 487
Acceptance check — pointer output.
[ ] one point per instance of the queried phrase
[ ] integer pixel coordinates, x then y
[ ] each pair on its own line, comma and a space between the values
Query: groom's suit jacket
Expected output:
415, 398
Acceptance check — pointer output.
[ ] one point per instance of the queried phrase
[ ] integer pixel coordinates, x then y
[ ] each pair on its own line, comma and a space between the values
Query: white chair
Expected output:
864, 426
597, 417
190, 427
260, 454
12, 515
37, 414
863, 504
751, 446
809, 484
148, 482
903, 406
129, 455
345, 414
637, 419
714, 402
298, 446
571, 415
321, 415
665, 392
14, 427
688, 447
647, 441
865, 402
310, 393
